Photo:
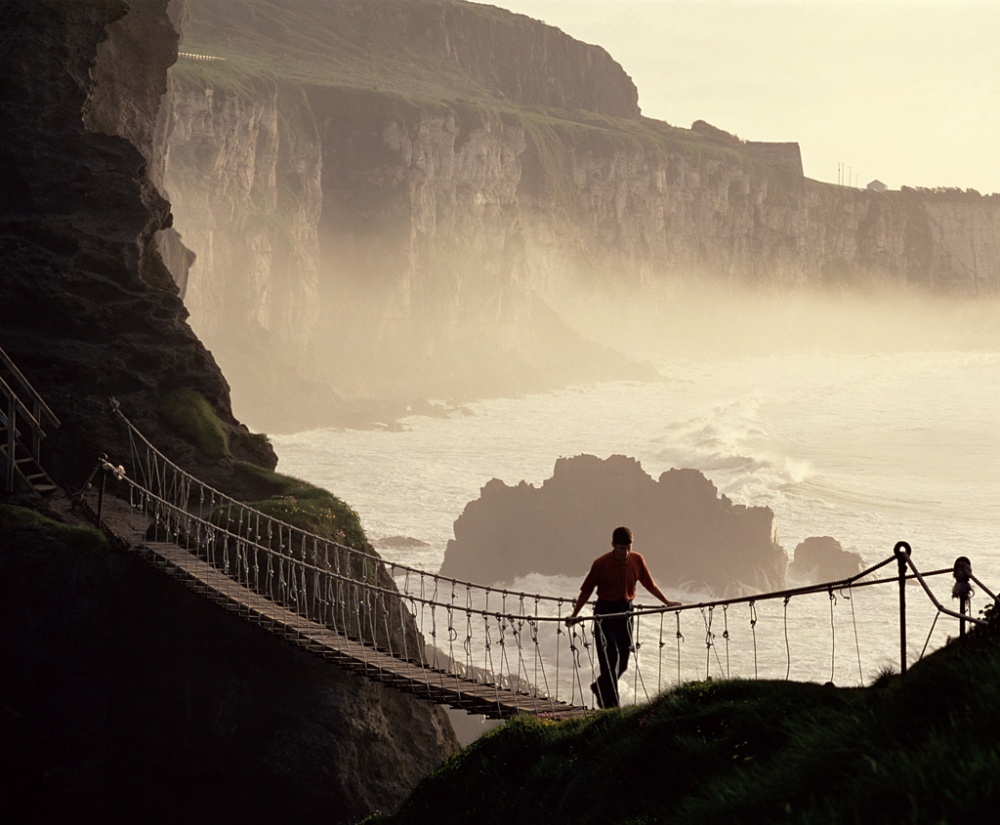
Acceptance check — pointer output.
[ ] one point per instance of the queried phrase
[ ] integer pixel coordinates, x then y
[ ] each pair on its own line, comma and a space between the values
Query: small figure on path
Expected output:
615, 575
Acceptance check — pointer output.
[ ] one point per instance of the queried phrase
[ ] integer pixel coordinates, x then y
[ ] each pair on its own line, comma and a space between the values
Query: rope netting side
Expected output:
327, 590
462, 630
358, 598
165, 479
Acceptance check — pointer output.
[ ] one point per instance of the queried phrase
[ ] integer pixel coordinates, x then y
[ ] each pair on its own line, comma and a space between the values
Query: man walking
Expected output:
614, 575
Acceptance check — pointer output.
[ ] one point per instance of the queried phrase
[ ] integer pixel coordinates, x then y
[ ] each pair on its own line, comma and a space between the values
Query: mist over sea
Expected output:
868, 448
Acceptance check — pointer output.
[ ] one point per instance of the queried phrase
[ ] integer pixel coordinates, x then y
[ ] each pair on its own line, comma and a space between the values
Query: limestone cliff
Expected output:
120, 691
413, 198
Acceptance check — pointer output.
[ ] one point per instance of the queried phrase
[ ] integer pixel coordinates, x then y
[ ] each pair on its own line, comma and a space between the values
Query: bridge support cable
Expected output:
541, 678
469, 634
725, 634
659, 651
833, 640
349, 606
576, 684
930, 633
707, 615
637, 680
857, 643
560, 634
680, 638
788, 649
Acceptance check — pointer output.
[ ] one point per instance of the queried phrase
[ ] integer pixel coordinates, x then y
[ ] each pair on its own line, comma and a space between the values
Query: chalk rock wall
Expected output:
401, 246
254, 215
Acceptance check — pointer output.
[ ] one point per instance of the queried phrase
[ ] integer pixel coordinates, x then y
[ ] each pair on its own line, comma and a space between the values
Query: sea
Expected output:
869, 447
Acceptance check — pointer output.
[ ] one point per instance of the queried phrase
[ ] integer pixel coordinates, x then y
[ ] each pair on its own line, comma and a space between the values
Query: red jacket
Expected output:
615, 581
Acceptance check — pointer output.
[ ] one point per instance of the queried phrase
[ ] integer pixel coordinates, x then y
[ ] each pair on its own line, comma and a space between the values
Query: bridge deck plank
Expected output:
420, 679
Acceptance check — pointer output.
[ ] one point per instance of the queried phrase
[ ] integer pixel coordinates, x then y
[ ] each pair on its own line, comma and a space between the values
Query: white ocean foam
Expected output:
869, 449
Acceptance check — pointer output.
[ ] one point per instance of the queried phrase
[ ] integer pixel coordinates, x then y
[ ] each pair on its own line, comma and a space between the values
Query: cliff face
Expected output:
509, 55
88, 309
431, 235
124, 692
120, 689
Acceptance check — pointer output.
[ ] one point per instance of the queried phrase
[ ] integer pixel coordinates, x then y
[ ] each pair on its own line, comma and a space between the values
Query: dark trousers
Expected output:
613, 639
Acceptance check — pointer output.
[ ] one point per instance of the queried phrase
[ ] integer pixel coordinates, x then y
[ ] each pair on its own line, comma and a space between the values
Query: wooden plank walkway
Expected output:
415, 677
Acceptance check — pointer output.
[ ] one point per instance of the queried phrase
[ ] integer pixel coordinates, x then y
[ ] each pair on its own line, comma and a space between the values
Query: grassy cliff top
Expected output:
915, 748
439, 49
430, 55
319, 42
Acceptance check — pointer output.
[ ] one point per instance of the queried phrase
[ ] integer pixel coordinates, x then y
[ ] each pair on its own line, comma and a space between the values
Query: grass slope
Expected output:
385, 56
920, 748
331, 44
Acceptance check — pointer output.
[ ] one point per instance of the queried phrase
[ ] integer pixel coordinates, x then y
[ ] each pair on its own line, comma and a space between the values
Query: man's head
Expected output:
621, 543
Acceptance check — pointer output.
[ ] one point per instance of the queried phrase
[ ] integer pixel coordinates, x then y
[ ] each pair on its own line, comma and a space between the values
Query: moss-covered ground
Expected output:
923, 747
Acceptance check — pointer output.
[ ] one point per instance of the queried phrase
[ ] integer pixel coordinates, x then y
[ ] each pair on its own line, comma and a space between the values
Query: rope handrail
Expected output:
851, 581
33, 423
226, 500
839, 584
223, 497
420, 617
352, 607
983, 587
375, 588
824, 587
26, 387
22, 419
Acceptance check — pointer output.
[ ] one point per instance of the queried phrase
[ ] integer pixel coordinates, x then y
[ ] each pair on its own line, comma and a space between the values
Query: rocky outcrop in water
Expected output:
823, 559
690, 536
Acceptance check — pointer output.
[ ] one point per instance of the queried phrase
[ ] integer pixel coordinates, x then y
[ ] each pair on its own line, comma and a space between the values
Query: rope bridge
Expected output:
489, 651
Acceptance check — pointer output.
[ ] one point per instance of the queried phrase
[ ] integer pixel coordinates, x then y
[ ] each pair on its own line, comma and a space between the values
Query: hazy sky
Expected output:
905, 91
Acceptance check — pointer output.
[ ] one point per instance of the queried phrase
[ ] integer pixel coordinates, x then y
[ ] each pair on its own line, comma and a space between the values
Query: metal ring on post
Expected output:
962, 590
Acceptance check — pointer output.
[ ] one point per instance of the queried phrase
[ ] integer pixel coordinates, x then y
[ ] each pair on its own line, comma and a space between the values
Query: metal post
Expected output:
104, 481
962, 589
902, 553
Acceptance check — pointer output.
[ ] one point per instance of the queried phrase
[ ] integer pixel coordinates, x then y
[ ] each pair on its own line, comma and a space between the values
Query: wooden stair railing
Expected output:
24, 417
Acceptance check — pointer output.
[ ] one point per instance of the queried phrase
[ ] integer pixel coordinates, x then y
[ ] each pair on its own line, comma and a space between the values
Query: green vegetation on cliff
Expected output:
916, 748
412, 58
305, 506
322, 43
15, 519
